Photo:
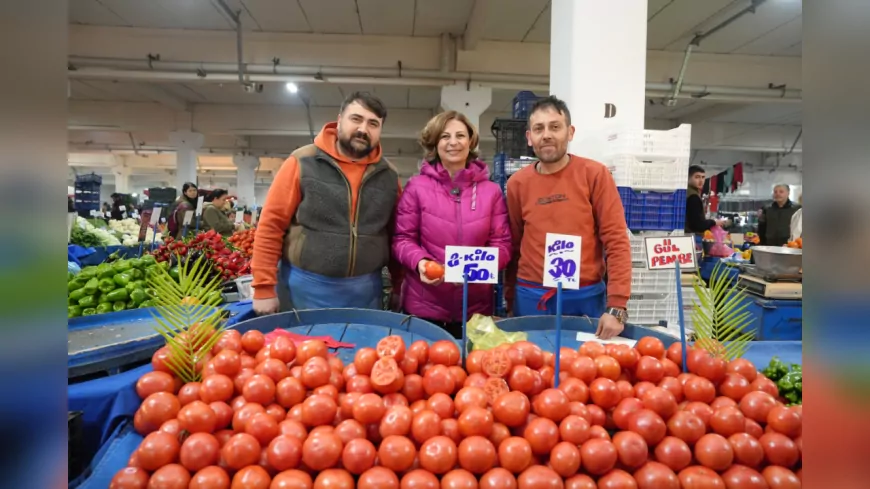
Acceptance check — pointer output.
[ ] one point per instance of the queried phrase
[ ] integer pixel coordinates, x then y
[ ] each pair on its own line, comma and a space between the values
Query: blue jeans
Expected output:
533, 300
312, 291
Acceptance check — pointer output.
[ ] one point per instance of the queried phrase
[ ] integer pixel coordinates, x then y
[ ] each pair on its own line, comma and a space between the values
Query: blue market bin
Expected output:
776, 319
653, 211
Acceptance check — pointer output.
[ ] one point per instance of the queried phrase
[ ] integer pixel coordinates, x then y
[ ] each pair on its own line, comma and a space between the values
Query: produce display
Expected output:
114, 286
789, 379
226, 261
129, 231
283, 415
95, 232
798, 243
244, 240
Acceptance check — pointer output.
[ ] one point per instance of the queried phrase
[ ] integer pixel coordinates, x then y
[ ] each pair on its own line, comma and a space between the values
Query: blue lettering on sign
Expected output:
454, 260
562, 268
479, 255
560, 245
474, 274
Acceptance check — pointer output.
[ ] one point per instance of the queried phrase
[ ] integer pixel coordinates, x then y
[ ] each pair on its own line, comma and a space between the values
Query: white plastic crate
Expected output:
642, 173
514, 165
638, 248
653, 281
652, 309
675, 143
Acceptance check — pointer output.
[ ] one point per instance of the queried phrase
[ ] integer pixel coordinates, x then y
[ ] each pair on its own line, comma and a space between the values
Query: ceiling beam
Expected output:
476, 24
711, 112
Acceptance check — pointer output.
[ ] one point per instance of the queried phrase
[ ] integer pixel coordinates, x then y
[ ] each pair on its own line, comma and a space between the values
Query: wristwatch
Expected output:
621, 315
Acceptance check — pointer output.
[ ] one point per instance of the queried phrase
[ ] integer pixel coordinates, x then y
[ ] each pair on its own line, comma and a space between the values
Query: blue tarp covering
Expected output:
94, 256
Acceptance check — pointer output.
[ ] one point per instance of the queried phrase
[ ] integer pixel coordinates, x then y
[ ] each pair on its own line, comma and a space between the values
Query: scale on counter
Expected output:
769, 285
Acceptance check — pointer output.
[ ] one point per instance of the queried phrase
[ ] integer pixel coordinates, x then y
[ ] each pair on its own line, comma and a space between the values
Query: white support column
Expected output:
186, 143
471, 100
121, 172
598, 66
246, 174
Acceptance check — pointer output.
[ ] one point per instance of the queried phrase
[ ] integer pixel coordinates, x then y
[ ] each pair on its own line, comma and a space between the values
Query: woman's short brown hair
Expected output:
435, 127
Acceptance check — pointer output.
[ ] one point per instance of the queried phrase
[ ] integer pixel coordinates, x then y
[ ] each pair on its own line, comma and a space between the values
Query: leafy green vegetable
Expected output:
721, 321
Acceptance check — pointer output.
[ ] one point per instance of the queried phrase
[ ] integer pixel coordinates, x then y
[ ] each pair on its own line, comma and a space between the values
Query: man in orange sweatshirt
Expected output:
328, 217
566, 194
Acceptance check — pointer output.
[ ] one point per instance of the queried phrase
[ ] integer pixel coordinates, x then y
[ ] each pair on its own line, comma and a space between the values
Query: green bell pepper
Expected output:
91, 286
131, 286
73, 311
90, 311
151, 293
137, 274
138, 296
77, 294
105, 271
122, 266
74, 284
131, 305
87, 273
140, 284
119, 306
136, 263
107, 285
122, 279
785, 384
88, 301
776, 370
163, 264
146, 304
173, 272
104, 308
103, 298
118, 295
214, 297
148, 260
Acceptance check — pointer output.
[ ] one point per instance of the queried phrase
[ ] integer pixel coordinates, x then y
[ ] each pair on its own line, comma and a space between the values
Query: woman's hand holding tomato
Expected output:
431, 272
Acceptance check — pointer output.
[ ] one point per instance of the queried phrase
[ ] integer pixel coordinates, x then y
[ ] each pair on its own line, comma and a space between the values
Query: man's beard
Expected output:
347, 146
555, 158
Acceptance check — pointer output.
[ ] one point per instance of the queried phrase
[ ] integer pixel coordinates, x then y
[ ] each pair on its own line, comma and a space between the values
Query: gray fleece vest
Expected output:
323, 238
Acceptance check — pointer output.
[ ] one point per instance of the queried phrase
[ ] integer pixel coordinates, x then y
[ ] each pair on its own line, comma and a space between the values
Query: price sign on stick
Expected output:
254, 216
663, 253
155, 216
562, 261
479, 263
199, 202
240, 216
122, 208
188, 216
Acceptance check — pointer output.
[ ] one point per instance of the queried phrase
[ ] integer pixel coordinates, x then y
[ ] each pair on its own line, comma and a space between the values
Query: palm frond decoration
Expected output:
187, 314
719, 317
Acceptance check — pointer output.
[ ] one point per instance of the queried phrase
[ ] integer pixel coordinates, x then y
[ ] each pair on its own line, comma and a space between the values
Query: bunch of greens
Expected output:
788, 378
84, 238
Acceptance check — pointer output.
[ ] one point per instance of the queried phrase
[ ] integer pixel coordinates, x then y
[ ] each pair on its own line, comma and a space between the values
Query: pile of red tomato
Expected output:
282, 416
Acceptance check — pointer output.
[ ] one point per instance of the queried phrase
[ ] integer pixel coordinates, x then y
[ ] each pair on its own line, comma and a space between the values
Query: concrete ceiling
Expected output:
115, 115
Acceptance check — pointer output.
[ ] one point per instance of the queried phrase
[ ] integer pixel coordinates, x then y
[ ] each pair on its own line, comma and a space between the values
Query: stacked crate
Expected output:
650, 169
87, 194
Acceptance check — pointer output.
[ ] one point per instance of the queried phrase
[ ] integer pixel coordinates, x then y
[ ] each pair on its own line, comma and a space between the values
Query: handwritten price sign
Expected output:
480, 264
562, 261
662, 253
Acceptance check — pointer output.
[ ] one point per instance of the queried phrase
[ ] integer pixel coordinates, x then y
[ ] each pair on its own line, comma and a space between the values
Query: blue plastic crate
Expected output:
498, 171
523, 103
653, 211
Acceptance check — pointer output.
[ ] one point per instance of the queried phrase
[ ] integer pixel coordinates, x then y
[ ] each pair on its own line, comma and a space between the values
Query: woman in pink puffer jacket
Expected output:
451, 202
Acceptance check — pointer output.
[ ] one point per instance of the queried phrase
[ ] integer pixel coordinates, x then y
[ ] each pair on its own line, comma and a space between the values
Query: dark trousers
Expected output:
453, 328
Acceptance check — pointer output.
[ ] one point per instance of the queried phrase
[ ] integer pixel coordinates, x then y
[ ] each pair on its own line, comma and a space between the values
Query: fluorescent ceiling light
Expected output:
291, 87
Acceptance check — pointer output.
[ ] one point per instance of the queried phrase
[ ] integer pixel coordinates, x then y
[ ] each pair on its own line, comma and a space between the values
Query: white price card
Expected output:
255, 214
240, 216
583, 337
479, 263
155, 216
95, 213
70, 222
562, 261
662, 253
123, 208
199, 202
162, 220
108, 214
188, 216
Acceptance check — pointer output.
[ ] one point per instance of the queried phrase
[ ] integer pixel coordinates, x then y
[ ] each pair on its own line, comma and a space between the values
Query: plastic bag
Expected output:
484, 334
719, 247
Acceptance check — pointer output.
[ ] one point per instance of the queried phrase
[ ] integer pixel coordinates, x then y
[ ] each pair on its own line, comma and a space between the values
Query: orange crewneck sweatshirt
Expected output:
282, 202
580, 200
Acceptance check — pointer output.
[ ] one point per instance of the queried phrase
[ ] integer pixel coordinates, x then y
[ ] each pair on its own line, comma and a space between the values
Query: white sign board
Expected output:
155, 216
188, 216
479, 263
122, 208
199, 202
254, 216
240, 216
562, 261
662, 253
